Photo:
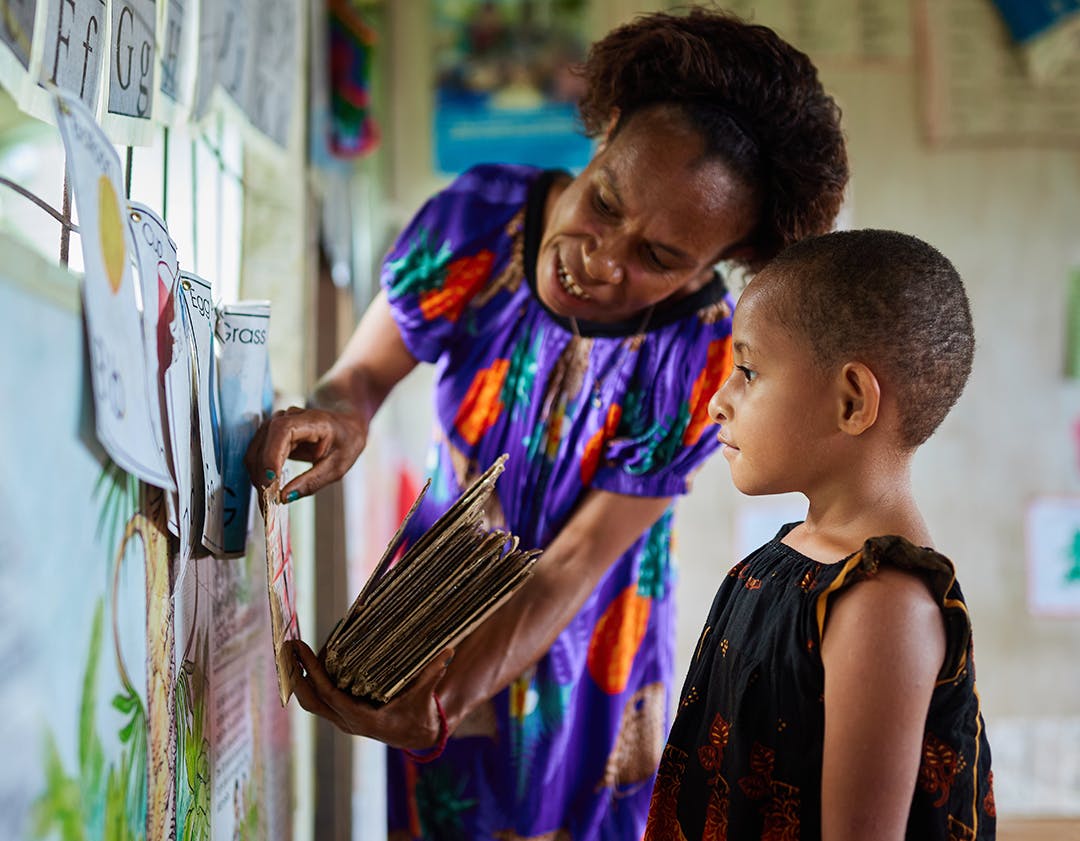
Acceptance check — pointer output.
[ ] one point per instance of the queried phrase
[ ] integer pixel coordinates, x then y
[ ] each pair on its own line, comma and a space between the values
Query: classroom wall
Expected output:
1007, 215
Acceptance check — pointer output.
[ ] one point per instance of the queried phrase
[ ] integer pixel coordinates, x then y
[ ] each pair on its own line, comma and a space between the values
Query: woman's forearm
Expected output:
520, 632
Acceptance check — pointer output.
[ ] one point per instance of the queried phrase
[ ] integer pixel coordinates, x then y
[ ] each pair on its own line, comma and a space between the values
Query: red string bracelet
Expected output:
433, 753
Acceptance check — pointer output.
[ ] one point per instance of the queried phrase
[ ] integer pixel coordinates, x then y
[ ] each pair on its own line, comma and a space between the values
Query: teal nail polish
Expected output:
271, 475
292, 496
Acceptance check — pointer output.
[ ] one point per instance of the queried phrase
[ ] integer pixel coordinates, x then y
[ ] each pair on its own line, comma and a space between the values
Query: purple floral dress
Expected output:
570, 749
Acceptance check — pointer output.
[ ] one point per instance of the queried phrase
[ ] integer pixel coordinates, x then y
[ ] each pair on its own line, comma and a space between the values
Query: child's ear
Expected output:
860, 398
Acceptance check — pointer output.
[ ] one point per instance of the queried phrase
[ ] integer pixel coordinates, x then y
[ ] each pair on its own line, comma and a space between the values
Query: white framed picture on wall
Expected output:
1052, 531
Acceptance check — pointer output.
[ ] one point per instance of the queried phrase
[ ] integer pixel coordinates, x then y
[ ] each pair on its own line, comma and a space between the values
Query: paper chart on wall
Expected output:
111, 299
200, 300
280, 587
1053, 556
274, 70
17, 29
978, 89
178, 25
70, 42
243, 361
180, 378
860, 31
157, 270
130, 72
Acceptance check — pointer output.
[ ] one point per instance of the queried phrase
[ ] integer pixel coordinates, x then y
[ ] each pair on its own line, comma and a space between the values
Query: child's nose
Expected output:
716, 407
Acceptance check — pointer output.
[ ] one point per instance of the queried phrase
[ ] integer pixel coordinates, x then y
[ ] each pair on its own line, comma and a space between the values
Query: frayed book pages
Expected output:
444, 585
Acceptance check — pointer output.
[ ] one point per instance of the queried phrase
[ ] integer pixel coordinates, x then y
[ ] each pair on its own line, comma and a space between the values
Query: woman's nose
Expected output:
601, 264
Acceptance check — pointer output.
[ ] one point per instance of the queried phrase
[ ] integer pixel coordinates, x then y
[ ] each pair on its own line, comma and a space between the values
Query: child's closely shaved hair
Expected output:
890, 300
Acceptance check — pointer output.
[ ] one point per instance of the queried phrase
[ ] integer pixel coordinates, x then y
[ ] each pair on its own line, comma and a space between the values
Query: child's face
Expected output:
777, 409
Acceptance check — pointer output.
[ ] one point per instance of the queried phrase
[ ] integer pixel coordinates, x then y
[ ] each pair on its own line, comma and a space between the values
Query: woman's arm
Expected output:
517, 635
332, 431
522, 630
883, 646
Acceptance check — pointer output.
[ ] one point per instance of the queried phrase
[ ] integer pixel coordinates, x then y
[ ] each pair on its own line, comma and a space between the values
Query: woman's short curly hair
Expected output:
756, 100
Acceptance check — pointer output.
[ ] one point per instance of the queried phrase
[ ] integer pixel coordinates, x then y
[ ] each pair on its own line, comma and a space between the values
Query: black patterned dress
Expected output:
744, 756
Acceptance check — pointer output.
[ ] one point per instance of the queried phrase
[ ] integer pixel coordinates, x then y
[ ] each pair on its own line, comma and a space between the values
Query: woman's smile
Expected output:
566, 280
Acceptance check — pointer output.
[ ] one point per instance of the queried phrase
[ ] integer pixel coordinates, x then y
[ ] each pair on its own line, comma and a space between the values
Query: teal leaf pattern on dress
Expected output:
537, 725
655, 571
421, 269
664, 442
441, 802
521, 374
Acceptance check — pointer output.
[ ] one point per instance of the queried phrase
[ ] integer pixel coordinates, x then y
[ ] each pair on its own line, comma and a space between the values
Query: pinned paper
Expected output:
279, 583
1053, 555
17, 28
133, 32
156, 264
75, 42
241, 340
200, 300
124, 422
177, 55
180, 379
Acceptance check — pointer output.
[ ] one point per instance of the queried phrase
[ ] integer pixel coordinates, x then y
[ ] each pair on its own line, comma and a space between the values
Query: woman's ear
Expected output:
860, 398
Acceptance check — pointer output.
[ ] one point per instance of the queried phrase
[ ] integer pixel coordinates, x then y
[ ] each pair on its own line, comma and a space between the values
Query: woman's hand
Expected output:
333, 431
329, 438
409, 721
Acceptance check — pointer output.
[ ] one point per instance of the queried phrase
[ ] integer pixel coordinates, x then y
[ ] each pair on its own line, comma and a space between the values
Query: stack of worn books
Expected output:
443, 585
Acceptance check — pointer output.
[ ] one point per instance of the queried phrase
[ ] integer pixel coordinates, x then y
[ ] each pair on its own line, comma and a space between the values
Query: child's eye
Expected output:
748, 373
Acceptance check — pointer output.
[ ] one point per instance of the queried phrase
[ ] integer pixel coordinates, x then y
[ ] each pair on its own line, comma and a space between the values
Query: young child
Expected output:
832, 694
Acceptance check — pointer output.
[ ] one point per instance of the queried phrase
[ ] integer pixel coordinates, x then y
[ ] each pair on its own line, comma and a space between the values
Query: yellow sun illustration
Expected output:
111, 233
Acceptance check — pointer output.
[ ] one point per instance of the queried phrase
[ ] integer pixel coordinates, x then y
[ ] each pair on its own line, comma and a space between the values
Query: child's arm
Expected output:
883, 646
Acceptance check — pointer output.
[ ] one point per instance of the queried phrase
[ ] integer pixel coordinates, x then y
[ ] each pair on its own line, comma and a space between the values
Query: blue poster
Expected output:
1028, 19
505, 90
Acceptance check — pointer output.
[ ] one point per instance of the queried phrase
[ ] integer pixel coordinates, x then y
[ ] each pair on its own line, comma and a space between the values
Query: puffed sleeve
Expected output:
438, 273
664, 434
932, 567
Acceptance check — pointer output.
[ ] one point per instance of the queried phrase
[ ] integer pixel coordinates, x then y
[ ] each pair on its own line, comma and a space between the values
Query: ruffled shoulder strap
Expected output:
933, 567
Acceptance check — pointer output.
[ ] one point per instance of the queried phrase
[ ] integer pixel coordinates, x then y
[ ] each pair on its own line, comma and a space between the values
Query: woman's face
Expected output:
646, 220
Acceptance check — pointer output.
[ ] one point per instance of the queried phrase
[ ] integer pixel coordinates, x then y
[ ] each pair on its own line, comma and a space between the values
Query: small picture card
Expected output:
280, 588
1053, 556
201, 304
124, 420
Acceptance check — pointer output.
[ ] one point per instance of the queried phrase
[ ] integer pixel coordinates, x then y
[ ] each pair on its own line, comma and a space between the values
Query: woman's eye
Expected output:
748, 373
602, 206
655, 261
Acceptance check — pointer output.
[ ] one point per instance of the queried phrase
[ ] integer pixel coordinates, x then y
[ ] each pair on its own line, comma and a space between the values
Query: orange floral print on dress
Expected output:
464, 278
716, 813
717, 367
940, 765
782, 816
663, 822
712, 755
616, 639
482, 405
989, 805
594, 447
762, 761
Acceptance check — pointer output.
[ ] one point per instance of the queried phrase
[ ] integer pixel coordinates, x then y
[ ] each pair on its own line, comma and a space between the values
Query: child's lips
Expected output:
727, 444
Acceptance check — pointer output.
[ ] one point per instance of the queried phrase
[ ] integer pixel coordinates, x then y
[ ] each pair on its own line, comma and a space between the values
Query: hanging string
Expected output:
40, 202
194, 205
165, 174
65, 222
127, 177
